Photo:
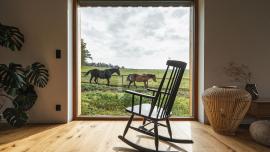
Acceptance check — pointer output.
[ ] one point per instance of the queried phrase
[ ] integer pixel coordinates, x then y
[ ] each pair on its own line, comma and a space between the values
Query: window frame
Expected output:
193, 64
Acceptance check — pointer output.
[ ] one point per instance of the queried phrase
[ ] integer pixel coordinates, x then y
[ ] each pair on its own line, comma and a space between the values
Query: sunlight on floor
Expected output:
101, 136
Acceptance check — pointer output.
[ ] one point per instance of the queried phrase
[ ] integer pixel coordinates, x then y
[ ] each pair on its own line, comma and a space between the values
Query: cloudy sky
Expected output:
136, 37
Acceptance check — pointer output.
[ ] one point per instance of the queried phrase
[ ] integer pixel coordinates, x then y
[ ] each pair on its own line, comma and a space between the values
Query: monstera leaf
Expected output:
26, 98
11, 37
15, 117
11, 78
37, 74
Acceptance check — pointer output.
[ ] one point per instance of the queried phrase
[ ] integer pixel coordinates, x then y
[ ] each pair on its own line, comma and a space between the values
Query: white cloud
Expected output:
136, 37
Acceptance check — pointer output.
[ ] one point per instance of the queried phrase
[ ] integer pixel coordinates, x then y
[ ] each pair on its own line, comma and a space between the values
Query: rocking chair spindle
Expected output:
160, 108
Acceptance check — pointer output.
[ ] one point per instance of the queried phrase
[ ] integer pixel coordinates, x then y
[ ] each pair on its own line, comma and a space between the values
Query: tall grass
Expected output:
100, 99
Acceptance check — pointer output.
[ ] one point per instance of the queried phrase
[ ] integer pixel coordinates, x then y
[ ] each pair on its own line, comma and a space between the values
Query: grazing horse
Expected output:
140, 78
102, 74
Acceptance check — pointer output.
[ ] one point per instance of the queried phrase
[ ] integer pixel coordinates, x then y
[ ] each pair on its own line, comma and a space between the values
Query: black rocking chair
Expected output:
160, 108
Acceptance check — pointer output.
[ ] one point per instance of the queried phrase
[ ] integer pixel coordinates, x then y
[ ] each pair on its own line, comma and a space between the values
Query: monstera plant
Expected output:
11, 37
17, 81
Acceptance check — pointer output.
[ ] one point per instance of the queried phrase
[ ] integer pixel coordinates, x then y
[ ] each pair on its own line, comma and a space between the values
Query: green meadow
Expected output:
100, 99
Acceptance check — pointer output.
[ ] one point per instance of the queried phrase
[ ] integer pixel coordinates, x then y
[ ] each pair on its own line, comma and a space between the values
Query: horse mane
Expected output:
151, 75
113, 69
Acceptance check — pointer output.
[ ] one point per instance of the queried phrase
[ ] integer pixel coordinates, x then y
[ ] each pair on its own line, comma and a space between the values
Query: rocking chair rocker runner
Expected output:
160, 108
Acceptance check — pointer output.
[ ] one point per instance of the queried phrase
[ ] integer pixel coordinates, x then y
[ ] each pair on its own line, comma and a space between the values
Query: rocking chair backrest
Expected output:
171, 82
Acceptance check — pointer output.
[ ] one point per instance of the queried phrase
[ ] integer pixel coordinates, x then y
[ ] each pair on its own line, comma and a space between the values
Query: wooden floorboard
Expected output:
101, 136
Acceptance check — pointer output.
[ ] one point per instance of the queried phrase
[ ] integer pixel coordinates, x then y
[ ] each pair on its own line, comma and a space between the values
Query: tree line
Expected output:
86, 56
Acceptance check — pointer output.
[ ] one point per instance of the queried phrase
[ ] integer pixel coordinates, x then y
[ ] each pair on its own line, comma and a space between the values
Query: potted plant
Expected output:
225, 108
241, 73
17, 81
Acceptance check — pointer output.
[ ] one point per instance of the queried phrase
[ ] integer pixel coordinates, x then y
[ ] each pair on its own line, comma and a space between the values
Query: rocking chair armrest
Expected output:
139, 94
155, 90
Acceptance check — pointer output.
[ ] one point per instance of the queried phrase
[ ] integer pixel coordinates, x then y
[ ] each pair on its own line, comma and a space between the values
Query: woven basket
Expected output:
225, 108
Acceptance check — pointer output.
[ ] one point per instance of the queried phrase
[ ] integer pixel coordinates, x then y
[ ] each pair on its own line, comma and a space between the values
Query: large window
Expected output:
135, 40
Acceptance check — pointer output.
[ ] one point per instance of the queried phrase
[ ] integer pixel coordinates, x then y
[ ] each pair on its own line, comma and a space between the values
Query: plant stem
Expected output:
3, 95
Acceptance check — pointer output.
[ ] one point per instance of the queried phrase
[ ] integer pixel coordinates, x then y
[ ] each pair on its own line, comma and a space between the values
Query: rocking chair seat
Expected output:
145, 110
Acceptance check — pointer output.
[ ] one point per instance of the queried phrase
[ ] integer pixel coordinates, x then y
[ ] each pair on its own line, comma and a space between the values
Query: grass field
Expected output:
100, 99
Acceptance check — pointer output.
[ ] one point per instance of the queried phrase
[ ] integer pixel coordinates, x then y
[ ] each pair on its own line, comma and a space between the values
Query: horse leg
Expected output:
91, 79
144, 84
108, 81
96, 80
129, 83
135, 84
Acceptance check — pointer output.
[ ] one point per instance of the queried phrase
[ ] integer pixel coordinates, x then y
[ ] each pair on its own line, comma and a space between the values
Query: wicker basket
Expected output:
225, 108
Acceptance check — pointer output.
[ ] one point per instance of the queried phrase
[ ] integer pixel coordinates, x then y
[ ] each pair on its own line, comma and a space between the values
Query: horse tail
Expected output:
128, 77
87, 73
131, 77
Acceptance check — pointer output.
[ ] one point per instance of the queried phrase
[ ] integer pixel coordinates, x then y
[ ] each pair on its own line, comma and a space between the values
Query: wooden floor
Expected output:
101, 136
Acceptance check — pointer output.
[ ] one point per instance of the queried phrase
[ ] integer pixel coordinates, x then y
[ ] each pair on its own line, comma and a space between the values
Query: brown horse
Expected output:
140, 78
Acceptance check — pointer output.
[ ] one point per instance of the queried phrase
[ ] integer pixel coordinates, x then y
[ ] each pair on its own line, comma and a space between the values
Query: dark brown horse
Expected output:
102, 74
140, 78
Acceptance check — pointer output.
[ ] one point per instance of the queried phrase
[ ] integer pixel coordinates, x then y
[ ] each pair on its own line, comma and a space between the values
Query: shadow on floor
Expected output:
170, 145
124, 149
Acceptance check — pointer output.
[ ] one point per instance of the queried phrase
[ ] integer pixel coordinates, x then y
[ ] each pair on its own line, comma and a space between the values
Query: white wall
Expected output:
44, 24
239, 31
231, 30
